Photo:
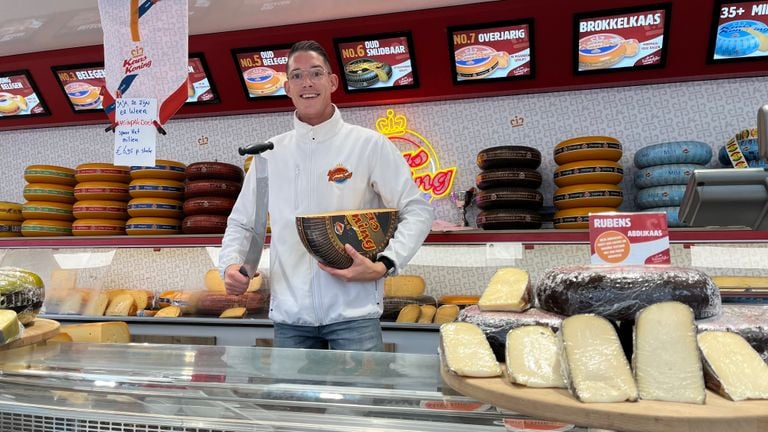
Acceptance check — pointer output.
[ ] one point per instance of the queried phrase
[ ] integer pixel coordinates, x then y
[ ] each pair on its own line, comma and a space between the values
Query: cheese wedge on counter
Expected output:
10, 327
596, 369
666, 357
169, 312
508, 290
101, 332
533, 357
236, 312
466, 351
732, 367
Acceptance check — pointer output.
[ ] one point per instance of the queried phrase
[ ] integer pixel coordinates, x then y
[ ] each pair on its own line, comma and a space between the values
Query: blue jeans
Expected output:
356, 335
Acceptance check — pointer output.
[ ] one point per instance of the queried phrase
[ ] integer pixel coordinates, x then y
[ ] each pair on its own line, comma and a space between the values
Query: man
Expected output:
312, 305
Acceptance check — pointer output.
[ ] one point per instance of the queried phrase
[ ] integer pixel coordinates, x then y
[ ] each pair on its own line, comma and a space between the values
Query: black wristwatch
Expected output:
388, 263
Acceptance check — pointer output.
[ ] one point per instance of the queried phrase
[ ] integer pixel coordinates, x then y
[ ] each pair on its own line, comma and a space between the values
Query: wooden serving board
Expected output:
716, 415
38, 330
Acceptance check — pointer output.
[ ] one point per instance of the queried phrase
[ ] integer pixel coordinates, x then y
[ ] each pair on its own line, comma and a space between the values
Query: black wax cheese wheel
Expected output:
214, 170
509, 198
508, 177
500, 219
208, 205
222, 188
509, 157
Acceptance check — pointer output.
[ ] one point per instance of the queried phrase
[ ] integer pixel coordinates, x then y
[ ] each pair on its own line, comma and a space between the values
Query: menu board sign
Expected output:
19, 95
495, 51
618, 39
262, 70
739, 31
377, 62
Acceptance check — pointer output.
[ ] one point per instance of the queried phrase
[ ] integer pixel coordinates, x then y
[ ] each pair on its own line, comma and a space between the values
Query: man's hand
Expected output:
362, 269
234, 281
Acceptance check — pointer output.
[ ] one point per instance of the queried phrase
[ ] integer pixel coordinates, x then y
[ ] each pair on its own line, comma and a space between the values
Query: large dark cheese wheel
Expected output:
509, 198
509, 157
508, 219
512, 177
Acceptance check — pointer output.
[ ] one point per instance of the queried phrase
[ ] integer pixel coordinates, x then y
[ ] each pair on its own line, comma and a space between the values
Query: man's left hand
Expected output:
362, 269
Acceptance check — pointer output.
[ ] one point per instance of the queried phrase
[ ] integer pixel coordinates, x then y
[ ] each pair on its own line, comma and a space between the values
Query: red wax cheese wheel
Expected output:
222, 188
45, 228
100, 209
589, 171
509, 157
96, 227
214, 170
156, 188
50, 174
588, 195
508, 219
508, 177
588, 148
10, 228
204, 224
49, 192
11, 211
208, 205
368, 231
215, 304
163, 169
102, 172
577, 218
152, 226
47, 210
102, 190
509, 198
155, 207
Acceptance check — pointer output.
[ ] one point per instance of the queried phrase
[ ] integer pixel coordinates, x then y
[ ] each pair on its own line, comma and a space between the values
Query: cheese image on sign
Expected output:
629, 238
605, 50
742, 38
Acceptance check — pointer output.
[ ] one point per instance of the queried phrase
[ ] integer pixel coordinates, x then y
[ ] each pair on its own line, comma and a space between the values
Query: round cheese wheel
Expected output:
660, 175
163, 169
49, 192
749, 148
100, 209
156, 188
11, 211
509, 157
588, 195
675, 152
508, 177
10, 228
214, 170
47, 210
204, 224
509, 198
501, 219
620, 292
45, 228
155, 207
222, 188
101, 190
673, 219
208, 205
96, 227
588, 148
660, 196
739, 38
152, 226
577, 218
589, 171
102, 172
50, 174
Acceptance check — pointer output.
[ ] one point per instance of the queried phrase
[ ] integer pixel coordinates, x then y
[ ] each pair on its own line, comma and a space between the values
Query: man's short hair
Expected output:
310, 45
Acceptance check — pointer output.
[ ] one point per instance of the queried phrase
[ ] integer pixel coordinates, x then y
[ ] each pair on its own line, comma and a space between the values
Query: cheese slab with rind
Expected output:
533, 357
508, 290
732, 367
466, 351
100, 332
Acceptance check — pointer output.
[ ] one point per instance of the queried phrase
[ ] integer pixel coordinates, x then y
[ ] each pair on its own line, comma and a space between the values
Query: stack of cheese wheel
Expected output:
663, 173
156, 192
587, 177
509, 197
211, 191
49, 195
10, 219
102, 194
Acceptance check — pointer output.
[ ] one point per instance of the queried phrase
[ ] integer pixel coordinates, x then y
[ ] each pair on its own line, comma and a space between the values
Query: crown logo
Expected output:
517, 121
392, 124
203, 140
137, 52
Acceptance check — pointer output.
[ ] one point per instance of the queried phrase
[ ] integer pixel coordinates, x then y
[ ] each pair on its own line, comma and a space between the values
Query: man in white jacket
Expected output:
313, 305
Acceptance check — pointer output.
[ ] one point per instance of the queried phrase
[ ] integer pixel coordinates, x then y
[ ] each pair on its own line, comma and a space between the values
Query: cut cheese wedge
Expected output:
101, 332
10, 327
237, 312
533, 357
596, 369
466, 351
97, 304
732, 367
666, 357
169, 312
121, 305
427, 314
508, 290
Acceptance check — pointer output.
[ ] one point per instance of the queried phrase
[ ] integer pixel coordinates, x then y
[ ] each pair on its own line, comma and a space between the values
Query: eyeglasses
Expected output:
314, 74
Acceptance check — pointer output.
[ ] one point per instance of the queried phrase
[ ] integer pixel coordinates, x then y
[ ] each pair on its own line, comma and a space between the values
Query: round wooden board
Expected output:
716, 415
38, 330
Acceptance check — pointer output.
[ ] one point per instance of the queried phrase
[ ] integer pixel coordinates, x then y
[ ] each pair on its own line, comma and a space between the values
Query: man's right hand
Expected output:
234, 281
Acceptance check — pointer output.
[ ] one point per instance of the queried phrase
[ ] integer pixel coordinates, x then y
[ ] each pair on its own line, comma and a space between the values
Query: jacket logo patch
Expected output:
339, 174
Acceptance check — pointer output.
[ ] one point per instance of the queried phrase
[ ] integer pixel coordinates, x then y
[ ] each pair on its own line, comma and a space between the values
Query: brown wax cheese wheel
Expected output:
214, 170
208, 205
204, 224
509, 198
500, 219
509, 157
508, 177
220, 188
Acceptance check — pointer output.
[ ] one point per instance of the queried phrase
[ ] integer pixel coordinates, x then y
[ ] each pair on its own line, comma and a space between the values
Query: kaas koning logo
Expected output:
429, 176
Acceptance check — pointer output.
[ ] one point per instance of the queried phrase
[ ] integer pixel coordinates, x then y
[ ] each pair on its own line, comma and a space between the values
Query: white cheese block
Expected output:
594, 364
732, 367
508, 290
466, 351
666, 356
533, 357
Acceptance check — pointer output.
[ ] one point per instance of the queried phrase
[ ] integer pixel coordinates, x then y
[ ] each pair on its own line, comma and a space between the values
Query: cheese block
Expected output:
595, 368
169, 312
163, 169
156, 188
220, 188
426, 314
102, 172
588, 148
589, 171
409, 314
404, 286
155, 207
51, 174
209, 206
673, 215
214, 170
666, 358
97, 304
47, 210
732, 367
620, 292
445, 314
660, 196
100, 209
214, 282
121, 305
204, 224
102, 190
508, 177
10, 228
466, 352
99, 332
508, 290
577, 217
747, 320
237, 312
11, 211
10, 327
45, 228
152, 226
668, 174
523, 198
674, 152
533, 357
501, 219
49, 192
98, 227
588, 195
509, 157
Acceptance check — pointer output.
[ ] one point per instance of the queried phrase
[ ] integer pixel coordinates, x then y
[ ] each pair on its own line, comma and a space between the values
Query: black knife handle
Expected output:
244, 272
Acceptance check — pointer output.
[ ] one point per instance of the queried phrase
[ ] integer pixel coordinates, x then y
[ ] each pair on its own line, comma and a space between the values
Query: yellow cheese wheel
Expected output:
50, 174
155, 207
152, 226
102, 190
589, 171
104, 172
156, 188
100, 209
45, 228
163, 169
11, 211
94, 227
49, 192
588, 195
577, 218
588, 148
10, 228
47, 210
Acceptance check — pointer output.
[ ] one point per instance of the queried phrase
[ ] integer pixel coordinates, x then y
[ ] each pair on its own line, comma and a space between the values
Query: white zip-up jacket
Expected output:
306, 176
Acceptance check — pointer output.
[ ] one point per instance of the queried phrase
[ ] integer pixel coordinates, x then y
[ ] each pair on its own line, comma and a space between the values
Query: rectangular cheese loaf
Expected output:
508, 290
101, 332
533, 357
732, 367
466, 351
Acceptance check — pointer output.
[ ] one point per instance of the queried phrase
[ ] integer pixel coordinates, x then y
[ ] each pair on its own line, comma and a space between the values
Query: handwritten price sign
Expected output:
135, 133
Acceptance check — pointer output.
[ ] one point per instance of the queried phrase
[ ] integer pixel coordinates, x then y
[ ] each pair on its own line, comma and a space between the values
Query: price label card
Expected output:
739, 31
629, 238
262, 70
377, 62
135, 132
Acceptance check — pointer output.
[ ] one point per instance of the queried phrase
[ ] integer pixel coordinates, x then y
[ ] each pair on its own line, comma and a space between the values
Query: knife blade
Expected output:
261, 201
